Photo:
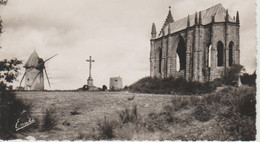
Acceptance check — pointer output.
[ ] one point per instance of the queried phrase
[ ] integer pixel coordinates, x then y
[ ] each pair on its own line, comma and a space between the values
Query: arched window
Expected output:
160, 60
181, 54
220, 53
208, 56
230, 51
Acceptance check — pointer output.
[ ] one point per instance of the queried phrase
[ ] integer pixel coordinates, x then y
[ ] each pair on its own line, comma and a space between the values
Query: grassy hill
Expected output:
173, 86
225, 114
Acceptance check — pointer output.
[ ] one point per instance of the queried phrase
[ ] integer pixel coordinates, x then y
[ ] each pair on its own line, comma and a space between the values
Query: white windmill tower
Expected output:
34, 76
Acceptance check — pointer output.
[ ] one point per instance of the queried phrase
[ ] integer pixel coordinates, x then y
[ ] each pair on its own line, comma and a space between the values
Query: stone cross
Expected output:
90, 64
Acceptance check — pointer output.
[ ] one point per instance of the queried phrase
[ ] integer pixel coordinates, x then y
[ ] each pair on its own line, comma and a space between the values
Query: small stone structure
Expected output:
116, 83
198, 47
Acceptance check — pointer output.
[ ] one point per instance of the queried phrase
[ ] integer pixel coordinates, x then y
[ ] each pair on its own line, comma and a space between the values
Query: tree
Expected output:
11, 107
2, 2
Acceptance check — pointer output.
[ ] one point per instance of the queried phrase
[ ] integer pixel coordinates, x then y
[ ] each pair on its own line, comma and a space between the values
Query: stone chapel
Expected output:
198, 47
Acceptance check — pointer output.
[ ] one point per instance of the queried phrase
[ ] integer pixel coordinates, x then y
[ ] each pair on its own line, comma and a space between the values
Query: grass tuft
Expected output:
105, 129
49, 120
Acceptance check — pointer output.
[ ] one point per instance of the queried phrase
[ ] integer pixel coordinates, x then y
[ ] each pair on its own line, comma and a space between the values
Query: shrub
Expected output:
49, 120
202, 113
104, 88
157, 121
231, 75
249, 79
105, 129
238, 120
128, 115
236, 126
247, 105
177, 104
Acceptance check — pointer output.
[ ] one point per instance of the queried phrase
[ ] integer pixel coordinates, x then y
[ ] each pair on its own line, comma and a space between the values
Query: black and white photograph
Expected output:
134, 70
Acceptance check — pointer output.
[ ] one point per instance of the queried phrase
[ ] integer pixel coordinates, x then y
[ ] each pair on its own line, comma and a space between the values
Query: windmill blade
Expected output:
24, 76
36, 76
50, 58
22, 79
47, 77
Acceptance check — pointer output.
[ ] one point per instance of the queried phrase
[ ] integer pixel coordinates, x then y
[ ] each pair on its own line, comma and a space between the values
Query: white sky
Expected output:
116, 33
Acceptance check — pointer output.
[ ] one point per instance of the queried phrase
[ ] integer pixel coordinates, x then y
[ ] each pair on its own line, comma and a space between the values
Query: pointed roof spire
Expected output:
188, 21
196, 18
169, 18
237, 18
200, 19
153, 31
227, 15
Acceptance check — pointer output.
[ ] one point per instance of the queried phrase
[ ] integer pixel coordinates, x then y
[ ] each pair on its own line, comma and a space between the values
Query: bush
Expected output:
157, 121
177, 104
249, 79
105, 129
202, 113
237, 127
247, 105
104, 88
238, 120
49, 120
128, 115
231, 75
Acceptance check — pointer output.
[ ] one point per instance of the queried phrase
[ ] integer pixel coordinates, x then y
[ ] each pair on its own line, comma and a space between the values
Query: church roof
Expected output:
32, 61
206, 16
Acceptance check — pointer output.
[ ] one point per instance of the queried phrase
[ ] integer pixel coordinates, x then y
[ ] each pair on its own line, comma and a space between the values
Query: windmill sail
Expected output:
47, 77
50, 58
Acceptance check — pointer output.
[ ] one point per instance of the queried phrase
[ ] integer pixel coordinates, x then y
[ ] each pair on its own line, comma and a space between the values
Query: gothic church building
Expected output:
198, 47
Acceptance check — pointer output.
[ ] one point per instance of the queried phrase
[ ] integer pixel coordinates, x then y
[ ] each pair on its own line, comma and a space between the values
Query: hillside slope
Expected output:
227, 114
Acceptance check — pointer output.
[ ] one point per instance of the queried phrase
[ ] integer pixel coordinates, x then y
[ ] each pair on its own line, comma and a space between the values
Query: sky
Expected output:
116, 33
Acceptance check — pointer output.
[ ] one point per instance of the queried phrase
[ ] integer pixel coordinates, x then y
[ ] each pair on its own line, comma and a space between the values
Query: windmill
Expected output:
34, 72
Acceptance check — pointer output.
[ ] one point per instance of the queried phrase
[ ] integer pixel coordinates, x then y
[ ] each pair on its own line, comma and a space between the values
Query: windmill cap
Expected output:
32, 61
